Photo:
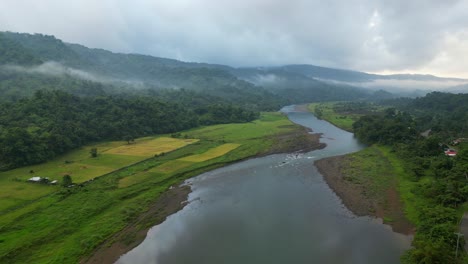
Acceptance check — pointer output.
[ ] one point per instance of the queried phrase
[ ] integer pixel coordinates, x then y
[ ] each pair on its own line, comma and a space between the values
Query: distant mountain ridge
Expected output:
294, 83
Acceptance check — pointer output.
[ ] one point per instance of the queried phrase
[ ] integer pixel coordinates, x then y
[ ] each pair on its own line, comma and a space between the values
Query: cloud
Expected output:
411, 84
265, 79
53, 68
395, 85
56, 69
364, 35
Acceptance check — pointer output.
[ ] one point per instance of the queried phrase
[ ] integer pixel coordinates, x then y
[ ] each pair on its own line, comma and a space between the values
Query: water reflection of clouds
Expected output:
276, 209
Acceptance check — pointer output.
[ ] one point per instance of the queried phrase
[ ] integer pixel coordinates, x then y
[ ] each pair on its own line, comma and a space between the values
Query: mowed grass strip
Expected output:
212, 153
148, 148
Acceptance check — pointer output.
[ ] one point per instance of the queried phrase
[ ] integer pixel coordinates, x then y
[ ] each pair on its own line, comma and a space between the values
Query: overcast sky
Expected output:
417, 36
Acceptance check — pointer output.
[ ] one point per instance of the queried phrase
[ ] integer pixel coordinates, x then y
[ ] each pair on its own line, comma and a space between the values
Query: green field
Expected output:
406, 186
53, 224
148, 147
212, 153
325, 111
15, 190
342, 114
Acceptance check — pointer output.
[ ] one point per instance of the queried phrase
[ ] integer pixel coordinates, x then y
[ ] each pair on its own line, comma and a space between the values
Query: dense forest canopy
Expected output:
36, 129
110, 94
441, 180
444, 114
12, 53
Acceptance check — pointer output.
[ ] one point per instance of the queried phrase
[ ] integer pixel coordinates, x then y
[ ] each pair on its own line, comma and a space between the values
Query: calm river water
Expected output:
275, 209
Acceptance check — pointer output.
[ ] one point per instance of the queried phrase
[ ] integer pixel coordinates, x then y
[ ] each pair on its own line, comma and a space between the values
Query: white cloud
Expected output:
53, 68
395, 85
450, 60
357, 34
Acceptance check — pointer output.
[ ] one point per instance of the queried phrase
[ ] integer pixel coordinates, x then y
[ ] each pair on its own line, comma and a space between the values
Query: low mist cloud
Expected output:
394, 85
53, 68
411, 84
265, 79
56, 69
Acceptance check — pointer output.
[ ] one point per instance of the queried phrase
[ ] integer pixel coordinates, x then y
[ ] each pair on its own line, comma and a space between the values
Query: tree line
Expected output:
38, 128
442, 181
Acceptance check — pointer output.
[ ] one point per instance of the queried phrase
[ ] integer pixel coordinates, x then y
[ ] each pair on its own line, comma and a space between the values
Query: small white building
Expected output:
35, 179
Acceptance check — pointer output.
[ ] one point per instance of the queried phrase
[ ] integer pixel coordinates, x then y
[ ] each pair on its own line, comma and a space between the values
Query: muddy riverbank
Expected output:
358, 197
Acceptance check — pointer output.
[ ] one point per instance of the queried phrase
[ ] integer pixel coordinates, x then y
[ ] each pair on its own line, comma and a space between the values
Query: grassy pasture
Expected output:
269, 124
149, 147
343, 114
327, 113
255, 137
15, 190
137, 178
212, 153
172, 166
14, 193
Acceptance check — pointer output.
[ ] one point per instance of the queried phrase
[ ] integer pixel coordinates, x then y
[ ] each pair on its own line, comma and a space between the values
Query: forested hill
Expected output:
55, 97
12, 53
54, 64
433, 184
52, 56
140, 94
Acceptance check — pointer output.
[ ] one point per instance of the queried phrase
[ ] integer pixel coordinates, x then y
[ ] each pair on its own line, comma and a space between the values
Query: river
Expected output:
275, 209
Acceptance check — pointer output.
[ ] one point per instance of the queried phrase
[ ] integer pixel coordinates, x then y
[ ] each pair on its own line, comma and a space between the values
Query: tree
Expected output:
93, 152
67, 180
129, 139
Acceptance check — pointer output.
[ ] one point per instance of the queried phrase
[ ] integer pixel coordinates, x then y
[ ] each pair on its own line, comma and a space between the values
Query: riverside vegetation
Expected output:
432, 186
61, 101
93, 120
52, 224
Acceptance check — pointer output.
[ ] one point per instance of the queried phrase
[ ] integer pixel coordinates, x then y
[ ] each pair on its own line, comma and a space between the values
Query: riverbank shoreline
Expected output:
363, 197
174, 199
170, 202
359, 198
